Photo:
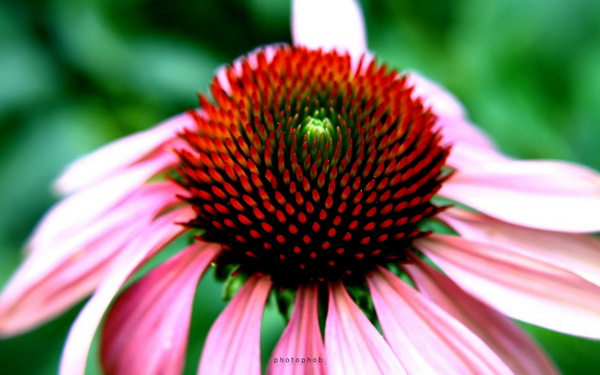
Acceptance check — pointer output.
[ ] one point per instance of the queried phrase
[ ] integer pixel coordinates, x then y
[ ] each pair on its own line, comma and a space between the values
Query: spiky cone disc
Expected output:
307, 169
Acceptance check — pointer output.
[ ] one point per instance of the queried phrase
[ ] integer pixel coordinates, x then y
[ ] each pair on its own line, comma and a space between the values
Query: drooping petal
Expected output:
425, 338
521, 287
471, 147
547, 195
578, 253
464, 155
145, 203
301, 338
352, 343
501, 334
27, 302
58, 274
443, 103
120, 154
85, 206
452, 116
146, 330
154, 238
329, 24
233, 344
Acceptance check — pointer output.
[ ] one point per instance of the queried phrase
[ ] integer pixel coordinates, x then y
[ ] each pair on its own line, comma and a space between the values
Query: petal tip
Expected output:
329, 24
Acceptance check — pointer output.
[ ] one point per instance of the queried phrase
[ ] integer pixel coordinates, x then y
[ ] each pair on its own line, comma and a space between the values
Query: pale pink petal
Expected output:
451, 114
59, 274
120, 154
521, 287
353, 344
232, 346
443, 103
578, 253
86, 205
470, 145
465, 155
501, 334
154, 238
330, 25
426, 339
547, 195
301, 338
146, 202
27, 303
146, 330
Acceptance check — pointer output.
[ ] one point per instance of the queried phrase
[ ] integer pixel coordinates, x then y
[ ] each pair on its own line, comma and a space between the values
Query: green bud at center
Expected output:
317, 132
315, 127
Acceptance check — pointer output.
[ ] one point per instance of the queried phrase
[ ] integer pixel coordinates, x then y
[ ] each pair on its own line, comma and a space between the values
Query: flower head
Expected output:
321, 170
314, 169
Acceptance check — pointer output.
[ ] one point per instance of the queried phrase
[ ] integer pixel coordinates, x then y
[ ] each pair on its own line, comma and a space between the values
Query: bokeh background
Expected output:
75, 74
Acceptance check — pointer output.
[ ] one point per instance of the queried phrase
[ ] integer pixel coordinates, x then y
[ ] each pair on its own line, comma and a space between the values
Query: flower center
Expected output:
317, 131
308, 169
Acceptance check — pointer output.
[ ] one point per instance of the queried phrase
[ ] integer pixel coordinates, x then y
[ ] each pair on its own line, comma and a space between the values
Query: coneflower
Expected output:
314, 169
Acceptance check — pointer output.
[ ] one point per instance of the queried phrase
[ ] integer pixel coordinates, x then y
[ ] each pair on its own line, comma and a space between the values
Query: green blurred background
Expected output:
75, 74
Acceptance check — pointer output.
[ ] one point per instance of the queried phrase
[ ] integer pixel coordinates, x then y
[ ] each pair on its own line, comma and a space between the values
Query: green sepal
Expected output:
362, 297
232, 285
285, 303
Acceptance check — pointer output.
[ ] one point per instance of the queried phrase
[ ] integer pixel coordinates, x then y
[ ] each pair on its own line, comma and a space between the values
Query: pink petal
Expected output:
503, 336
577, 253
329, 24
301, 338
464, 155
519, 286
27, 302
59, 274
120, 154
470, 145
146, 202
154, 238
546, 195
87, 205
425, 338
451, 114
146, 330
443, 103
233, 343
353, 344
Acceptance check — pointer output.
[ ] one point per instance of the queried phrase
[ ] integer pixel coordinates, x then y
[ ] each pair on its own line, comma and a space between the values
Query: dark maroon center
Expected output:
309, 170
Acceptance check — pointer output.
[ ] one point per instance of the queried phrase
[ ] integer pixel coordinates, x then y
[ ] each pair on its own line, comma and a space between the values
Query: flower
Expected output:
316, 170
